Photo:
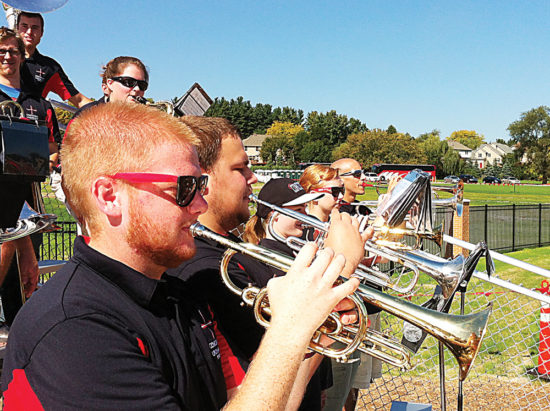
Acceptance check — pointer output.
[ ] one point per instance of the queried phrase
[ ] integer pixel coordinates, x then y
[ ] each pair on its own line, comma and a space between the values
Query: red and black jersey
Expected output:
100, 335
37, 108
41, 74
236, 323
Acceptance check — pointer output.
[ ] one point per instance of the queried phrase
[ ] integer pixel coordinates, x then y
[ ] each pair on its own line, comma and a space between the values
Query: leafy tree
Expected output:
336, 126
434, 149
238, 112
63, 116
376, 146
288, 114
506, 169
251, 119
452, 164
391, 129
284, 128
492, 170
531, 133
315, 151
469, 138
278, 149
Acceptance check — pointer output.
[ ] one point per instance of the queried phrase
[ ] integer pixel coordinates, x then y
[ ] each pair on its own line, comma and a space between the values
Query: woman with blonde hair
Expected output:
321, 179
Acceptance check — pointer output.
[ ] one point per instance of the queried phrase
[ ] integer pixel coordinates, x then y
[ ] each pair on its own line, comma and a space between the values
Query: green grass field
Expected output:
481, 194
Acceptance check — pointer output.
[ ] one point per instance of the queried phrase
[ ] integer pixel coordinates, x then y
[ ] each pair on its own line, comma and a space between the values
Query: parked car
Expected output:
371, 177
491, 180
510, 180
468, 178
451, 179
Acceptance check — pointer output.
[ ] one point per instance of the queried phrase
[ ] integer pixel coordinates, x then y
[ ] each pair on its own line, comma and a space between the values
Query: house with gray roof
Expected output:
489, 154
464, 152
252, 146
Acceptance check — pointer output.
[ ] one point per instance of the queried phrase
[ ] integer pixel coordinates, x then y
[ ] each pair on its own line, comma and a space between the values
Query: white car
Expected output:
371, 177
510, 180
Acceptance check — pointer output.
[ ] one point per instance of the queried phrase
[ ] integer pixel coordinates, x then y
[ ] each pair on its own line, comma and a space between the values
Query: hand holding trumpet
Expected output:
343, 226
306, 295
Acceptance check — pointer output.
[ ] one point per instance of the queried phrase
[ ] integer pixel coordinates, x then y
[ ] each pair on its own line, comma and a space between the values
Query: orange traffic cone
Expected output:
544, 341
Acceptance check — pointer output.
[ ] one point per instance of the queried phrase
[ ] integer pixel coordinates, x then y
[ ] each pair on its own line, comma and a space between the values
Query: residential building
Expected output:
489, 154
464, 152
252, 146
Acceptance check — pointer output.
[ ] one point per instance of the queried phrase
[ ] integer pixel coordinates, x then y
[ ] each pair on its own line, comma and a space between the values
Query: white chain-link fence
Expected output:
499, 378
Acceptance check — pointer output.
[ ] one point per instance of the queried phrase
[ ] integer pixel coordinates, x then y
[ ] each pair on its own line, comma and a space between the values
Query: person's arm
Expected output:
79, 100
7, 251
54, 135
28, 266
54, 155
300, 302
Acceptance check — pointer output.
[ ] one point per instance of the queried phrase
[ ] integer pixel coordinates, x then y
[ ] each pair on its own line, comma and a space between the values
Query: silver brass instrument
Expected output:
36, 6
163, 105
446, 274
373, 274
454, 202
462, 334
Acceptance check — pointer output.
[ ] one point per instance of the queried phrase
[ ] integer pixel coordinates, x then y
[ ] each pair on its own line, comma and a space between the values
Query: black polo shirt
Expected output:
37, 108
41, 74
100, 335
88, 106
235, 322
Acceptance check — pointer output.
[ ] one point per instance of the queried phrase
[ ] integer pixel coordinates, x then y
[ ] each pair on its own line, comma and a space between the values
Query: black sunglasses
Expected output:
354, 173
334, 191
187, 185
131, 82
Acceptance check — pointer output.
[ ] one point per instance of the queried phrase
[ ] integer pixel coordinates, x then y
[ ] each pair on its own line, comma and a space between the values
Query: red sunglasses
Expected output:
335, 191
187, 185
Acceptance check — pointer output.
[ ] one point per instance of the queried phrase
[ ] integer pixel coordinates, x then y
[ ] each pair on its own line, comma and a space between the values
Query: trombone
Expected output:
462, 334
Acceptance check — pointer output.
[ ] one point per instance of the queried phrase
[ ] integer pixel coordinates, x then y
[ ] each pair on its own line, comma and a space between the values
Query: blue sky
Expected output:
419, 65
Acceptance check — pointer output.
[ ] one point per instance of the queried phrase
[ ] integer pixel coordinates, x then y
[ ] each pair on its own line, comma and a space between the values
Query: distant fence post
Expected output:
461, 227
540, 224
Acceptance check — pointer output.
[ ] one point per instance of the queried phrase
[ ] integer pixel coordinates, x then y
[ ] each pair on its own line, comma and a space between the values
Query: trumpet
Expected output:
448, 278
461, 334
373, 275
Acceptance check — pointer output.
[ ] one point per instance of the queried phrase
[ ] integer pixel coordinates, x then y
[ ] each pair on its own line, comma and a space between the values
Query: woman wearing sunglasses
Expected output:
123, 78
323, 180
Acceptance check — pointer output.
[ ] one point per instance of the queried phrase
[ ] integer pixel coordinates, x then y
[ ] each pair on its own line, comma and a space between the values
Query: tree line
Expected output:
325, 137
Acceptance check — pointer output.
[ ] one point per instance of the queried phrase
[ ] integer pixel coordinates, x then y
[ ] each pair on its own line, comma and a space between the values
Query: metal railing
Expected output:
500, 377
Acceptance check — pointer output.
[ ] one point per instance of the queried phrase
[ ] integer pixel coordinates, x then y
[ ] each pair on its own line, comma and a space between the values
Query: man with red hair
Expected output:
111, 330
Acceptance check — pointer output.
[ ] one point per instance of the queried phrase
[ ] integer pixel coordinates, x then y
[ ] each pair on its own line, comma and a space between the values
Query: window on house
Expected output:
488, 154
480, 155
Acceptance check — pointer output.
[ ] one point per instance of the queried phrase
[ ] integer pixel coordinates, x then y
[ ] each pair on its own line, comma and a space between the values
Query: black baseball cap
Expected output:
283, 192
